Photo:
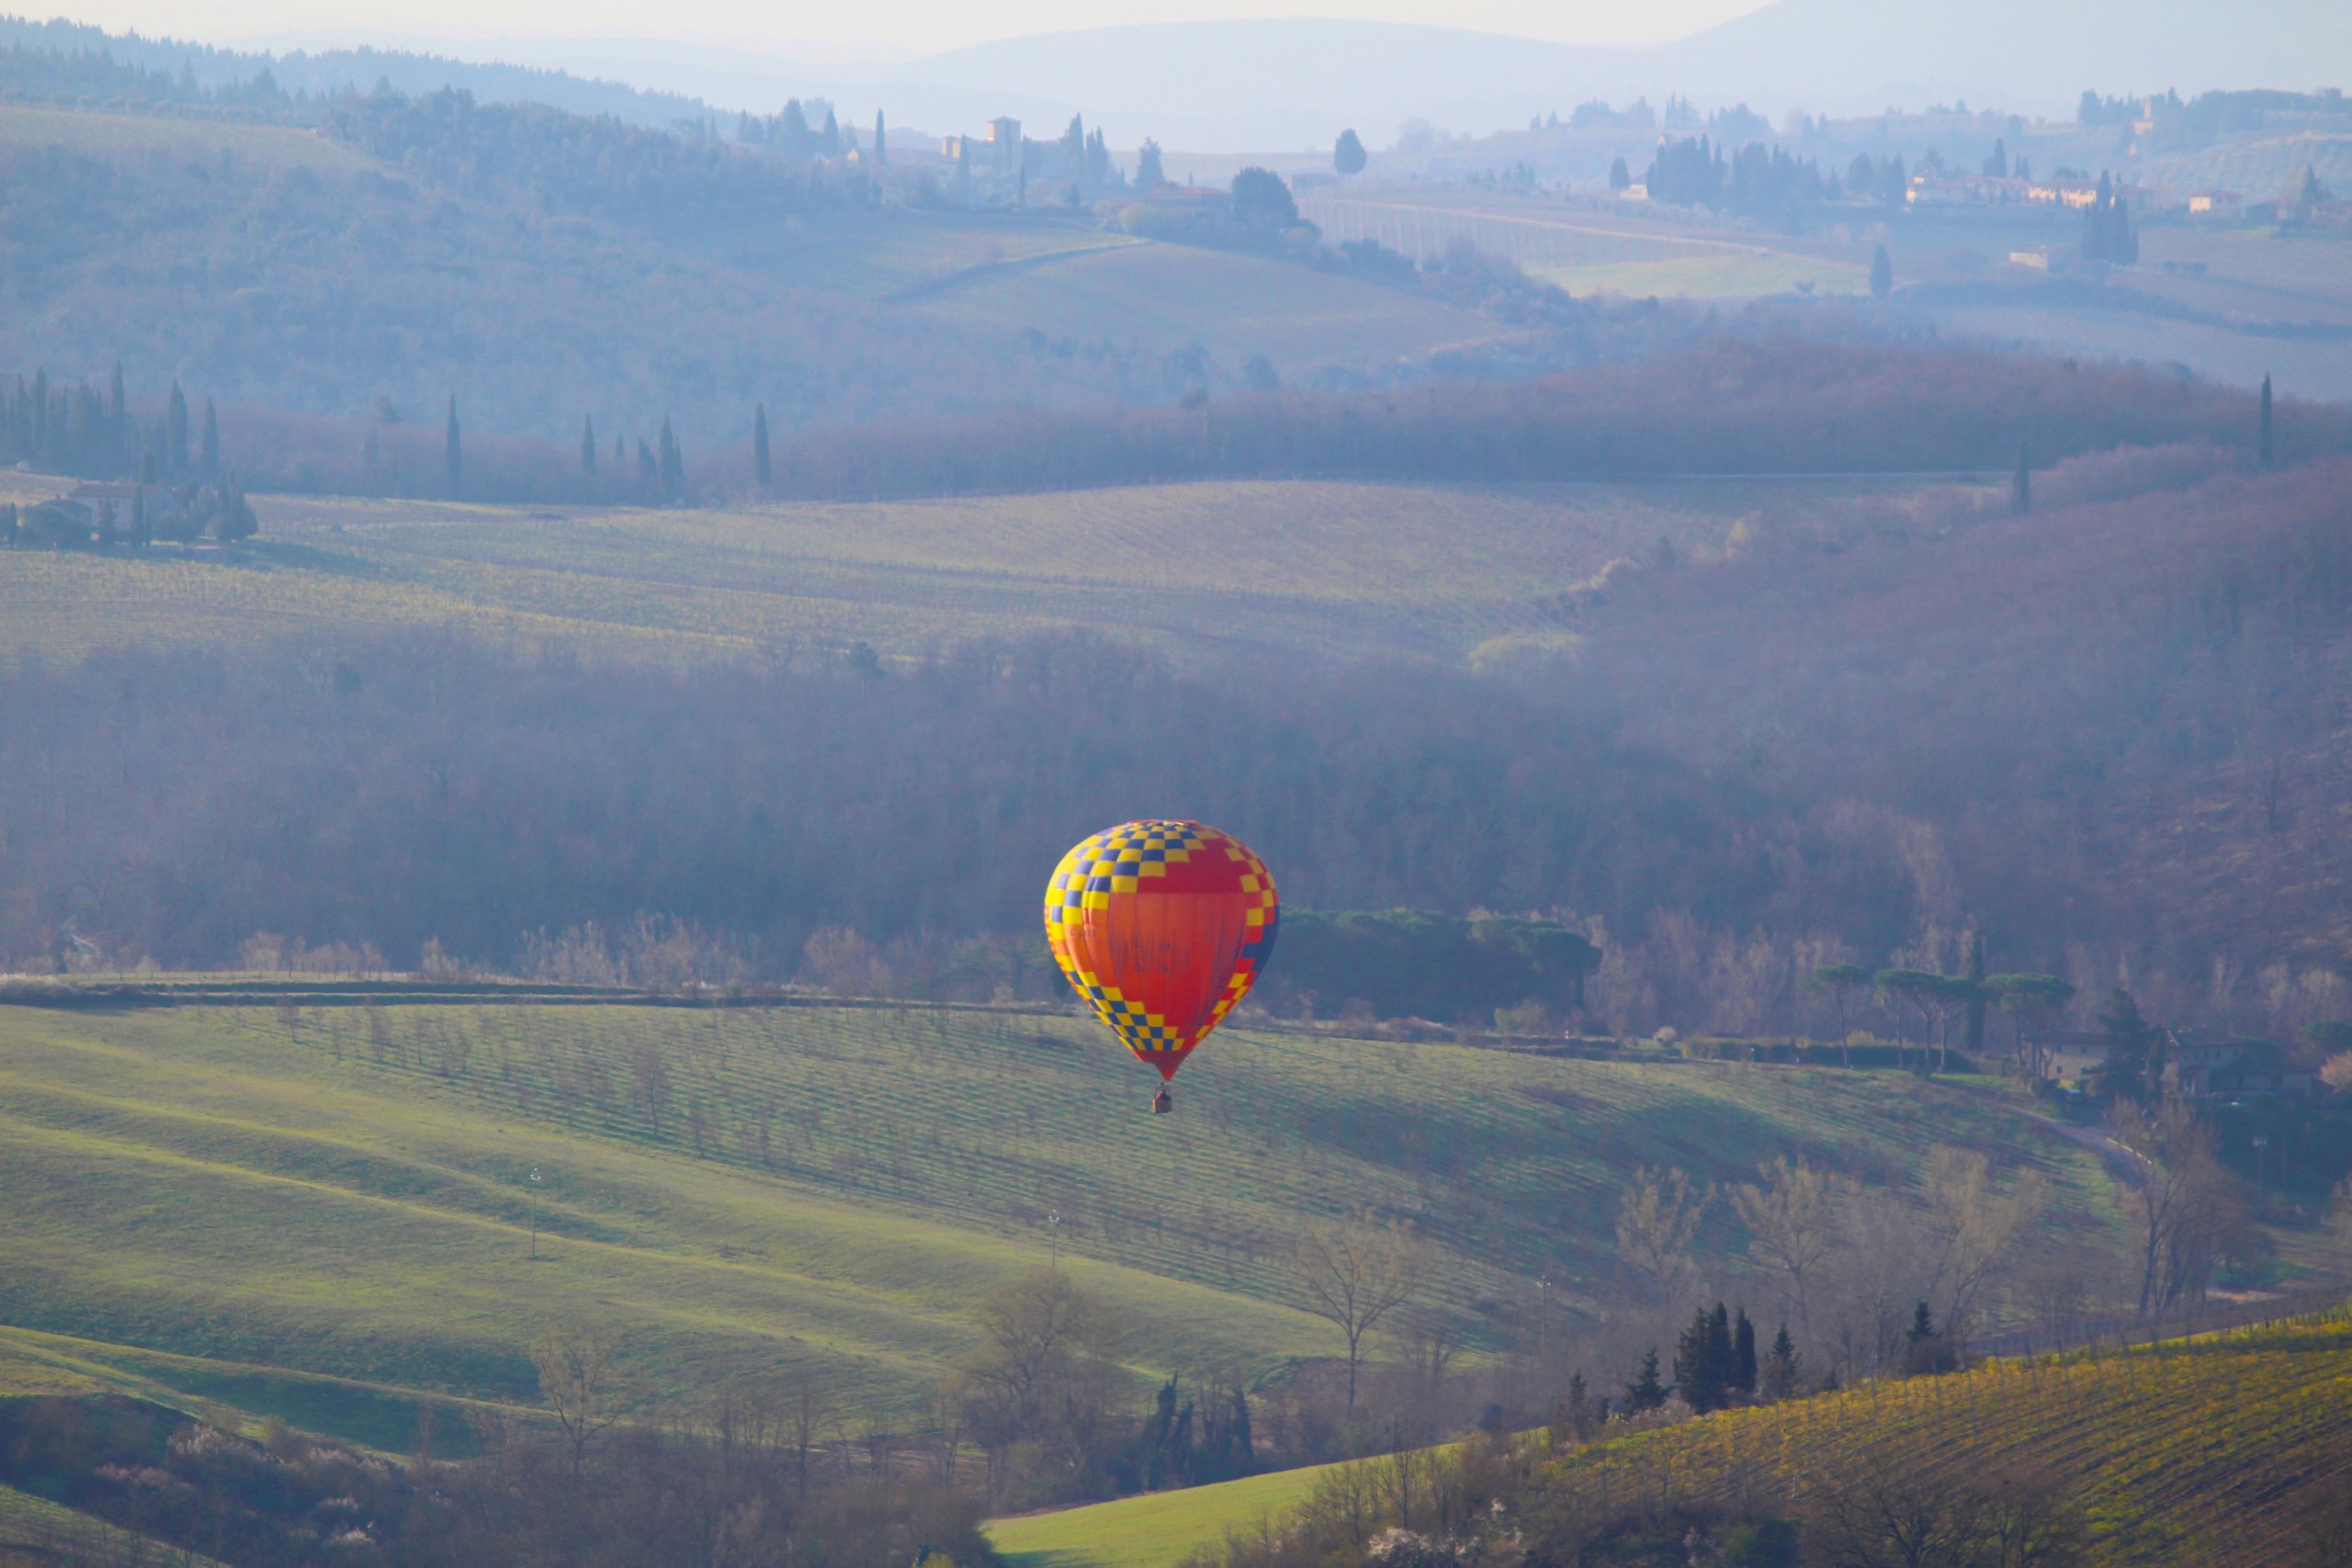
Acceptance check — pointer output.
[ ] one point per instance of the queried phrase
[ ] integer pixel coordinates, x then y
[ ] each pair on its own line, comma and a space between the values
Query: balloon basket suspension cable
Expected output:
1163, 1103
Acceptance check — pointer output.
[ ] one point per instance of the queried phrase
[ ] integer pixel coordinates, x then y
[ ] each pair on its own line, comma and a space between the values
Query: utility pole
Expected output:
535, 1213
1053, 1239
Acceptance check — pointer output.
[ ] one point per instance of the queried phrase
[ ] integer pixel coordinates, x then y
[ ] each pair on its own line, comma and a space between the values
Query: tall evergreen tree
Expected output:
829, 141
1646, 1392
176, 431
453, 451
1348, 156
1703, 1360
1882, 273
1149, 172
1743, 1355
2262, 432
1971, 1039
881, 141
587, 444
759, 471
210, 450
673, 463
1781, 1373
648, 468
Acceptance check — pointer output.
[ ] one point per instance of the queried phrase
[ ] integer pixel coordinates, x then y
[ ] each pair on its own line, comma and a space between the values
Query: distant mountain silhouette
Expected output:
1285, 82
1265, 85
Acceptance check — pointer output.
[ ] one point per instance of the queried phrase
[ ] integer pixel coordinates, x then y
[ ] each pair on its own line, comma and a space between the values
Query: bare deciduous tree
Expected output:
1793, 1215
1975, 1223
1354, 1274
1657, 1219
575, 1380
2187, 1207
1045, 1372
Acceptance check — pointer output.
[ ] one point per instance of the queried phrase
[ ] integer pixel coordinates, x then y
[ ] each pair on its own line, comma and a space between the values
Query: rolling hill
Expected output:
2190, 1453
325, 1212
1288, 565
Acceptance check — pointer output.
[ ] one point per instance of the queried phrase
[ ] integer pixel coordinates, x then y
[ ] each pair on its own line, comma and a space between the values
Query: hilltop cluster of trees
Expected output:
502, 153
1758, 177
791, 133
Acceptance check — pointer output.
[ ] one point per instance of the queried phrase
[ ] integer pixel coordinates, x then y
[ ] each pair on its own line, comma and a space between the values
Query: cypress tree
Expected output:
881, 143
1743, 1350
142, 535
1972, 1038
587, 445
673, 463
1701, 1356
1882, 273
1646, 1392
210, 450
646, 468
176, 431
620, 454
2262, 432
760, 469
1781, 1373
119, 417
453, 448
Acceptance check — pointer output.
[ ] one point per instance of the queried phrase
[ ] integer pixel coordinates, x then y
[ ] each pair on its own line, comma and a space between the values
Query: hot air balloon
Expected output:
1162, 927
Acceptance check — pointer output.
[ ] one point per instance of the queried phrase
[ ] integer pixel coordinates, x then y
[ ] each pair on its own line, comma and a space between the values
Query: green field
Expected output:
1729, 276
1158, 1530
1234, 305
321, 1214
1293, 566
33, 128
2315, 368
2195, 1453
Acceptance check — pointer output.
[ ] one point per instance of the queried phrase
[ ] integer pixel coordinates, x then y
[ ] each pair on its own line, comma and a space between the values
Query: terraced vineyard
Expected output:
324, 1212
2192, 1451
1295, 565
2196, 1453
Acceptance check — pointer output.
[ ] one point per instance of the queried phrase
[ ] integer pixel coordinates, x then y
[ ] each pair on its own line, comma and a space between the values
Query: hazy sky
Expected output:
867, 30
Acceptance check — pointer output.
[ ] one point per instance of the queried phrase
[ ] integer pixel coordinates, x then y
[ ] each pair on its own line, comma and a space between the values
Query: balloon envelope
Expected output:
1162, 927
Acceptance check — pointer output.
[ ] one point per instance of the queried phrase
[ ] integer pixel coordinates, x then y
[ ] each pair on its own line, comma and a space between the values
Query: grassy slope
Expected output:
2192, 1455
26, 127
292, 1202
1167, 297
1158, 1530
1343, 568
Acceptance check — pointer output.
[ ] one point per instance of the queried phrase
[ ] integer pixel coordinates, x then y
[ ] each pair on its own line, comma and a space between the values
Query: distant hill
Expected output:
1261, 85
334, 71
